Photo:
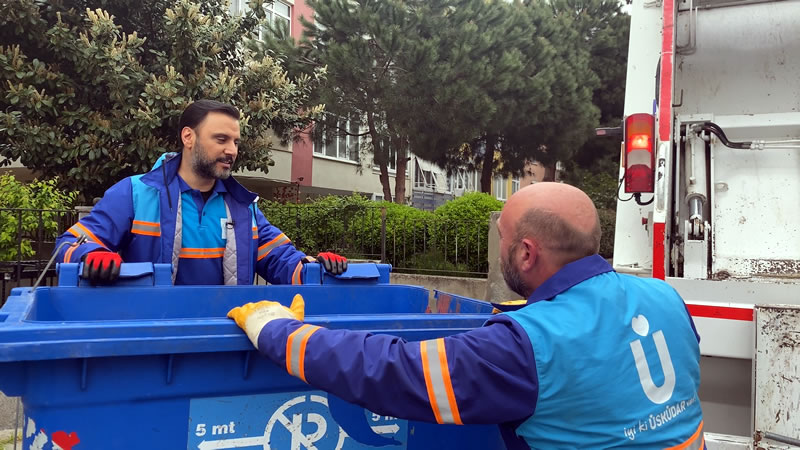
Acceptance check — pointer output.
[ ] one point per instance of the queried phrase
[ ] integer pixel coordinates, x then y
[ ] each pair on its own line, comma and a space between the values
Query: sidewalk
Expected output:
7, 439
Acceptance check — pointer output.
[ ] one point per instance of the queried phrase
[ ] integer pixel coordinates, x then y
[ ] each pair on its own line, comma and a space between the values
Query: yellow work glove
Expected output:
252, 317
521, 301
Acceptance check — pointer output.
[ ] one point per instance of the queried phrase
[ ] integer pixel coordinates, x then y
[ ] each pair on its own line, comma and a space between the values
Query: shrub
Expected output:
461, 228
23, 224
608, 219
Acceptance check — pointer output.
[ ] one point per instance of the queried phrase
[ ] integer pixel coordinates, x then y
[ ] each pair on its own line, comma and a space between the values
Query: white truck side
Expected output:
713, 99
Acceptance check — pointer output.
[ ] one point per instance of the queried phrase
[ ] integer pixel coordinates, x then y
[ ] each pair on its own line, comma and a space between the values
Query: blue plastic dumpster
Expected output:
148, 365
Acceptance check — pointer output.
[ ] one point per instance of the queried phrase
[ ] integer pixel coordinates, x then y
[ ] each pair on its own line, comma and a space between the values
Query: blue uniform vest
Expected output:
618, 365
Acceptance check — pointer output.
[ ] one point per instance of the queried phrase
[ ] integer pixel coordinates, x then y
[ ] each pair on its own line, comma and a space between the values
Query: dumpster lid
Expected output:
358, 271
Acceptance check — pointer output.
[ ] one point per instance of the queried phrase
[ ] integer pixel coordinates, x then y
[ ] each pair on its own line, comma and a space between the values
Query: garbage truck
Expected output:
709, 198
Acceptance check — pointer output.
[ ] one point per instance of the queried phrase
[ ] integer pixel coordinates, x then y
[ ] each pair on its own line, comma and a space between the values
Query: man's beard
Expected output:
207, 168
512, 276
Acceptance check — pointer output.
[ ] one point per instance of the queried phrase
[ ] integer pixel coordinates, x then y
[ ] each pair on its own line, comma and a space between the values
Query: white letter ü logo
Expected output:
656, 394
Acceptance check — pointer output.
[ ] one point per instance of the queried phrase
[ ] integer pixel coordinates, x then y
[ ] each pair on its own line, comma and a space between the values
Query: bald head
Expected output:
561, 219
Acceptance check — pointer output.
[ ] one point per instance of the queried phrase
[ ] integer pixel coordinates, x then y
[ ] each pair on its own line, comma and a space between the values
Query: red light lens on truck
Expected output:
639, 157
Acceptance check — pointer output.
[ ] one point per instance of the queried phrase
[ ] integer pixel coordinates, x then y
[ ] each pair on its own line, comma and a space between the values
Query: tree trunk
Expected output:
401, 150
380, 155
488, 165
550, 172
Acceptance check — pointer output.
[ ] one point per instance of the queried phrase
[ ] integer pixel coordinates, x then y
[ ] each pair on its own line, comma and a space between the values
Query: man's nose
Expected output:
231, 149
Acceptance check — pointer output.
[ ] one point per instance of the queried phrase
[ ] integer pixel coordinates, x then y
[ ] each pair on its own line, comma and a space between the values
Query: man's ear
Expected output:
187, 137
529, 254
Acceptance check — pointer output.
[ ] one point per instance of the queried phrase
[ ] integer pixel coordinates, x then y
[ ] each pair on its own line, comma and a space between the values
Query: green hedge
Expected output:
414, 238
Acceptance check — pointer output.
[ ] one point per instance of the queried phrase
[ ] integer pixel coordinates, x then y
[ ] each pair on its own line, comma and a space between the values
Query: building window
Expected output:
341, 141
279, 15
500, 188
461, 180
514, 185
424, 178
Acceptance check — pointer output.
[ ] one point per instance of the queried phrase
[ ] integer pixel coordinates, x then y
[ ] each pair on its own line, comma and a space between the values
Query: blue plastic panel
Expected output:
142, 367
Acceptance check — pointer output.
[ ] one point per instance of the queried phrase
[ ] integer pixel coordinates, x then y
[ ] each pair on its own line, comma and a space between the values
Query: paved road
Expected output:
7, 412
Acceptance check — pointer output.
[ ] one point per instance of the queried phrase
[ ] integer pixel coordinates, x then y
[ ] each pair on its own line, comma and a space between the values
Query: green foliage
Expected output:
608, 218
19, 222
452, 238
470, 206
91, 90
449, 78
601, 187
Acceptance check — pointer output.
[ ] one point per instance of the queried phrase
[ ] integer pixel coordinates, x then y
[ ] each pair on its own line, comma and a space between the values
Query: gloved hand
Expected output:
253, 317
101, 266
332, 262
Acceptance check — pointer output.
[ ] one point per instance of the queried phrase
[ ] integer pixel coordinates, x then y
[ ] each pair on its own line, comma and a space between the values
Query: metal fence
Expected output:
421, 244
27, 239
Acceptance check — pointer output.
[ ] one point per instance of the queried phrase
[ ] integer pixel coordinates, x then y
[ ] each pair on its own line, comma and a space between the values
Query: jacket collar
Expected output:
165, 173
570, 275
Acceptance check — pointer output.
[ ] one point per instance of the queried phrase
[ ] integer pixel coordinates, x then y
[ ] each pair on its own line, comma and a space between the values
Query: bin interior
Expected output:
193, 302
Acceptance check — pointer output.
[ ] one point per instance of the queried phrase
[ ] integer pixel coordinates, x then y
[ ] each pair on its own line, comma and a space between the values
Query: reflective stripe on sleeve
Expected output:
296, 350
296, 275
279, 240
438, 383
79, 230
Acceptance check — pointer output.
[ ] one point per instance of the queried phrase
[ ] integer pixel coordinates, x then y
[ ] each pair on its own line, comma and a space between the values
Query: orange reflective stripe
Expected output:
277, 241
448, 385
426, 371
296, 275
201, 253
696, 442
302, 355
438, 383
255, 233
206, 256
68, 253
146, 228
296, 350
90, 234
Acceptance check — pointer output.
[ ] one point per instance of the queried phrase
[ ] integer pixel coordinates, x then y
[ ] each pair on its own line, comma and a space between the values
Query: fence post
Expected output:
383, 234
19, 246
40, 238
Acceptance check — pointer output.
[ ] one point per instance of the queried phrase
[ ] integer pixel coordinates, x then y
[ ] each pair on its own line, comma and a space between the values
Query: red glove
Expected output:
101, 267
332, 262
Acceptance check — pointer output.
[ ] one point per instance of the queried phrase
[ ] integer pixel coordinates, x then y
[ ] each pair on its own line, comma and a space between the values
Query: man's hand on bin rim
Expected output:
332, 262
253, 317
101, 266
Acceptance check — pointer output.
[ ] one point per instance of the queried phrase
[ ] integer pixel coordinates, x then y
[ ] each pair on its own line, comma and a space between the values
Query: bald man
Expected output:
594, 359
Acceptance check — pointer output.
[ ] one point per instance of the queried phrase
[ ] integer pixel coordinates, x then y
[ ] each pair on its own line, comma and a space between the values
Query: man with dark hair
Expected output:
190, 212
594, 359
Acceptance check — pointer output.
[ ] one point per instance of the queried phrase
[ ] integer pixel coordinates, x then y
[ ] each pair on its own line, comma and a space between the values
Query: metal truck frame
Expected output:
709, 198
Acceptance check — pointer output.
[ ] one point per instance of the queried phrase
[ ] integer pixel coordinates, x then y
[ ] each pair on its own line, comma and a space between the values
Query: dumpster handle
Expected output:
80, 241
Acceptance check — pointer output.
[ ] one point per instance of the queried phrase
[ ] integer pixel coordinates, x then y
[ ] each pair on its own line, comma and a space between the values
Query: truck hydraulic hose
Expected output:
711, 127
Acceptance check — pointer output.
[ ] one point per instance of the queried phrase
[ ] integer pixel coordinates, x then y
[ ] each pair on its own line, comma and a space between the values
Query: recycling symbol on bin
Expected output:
309, 429
298, 424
